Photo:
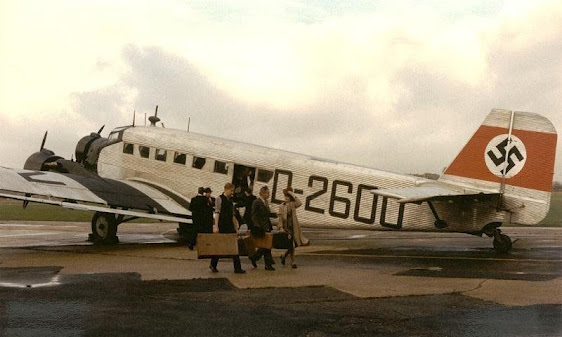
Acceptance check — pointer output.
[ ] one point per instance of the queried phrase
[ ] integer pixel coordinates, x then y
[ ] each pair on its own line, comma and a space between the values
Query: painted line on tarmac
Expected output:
432, 257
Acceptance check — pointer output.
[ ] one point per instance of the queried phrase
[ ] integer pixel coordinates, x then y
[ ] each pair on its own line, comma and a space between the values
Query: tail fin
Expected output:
512, 153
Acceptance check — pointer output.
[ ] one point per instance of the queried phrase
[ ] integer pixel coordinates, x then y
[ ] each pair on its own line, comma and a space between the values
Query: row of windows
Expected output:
198, 162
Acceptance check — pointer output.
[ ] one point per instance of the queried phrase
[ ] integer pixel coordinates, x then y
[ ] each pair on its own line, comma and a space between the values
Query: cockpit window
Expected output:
113, 137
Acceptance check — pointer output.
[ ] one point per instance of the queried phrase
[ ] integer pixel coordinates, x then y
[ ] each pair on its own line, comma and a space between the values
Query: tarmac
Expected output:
365, 283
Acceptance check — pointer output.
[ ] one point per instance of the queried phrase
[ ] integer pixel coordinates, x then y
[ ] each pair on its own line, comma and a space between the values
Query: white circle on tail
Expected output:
501, 154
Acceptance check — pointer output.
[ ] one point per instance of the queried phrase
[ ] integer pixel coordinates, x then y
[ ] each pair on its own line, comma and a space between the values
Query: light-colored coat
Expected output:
299, 238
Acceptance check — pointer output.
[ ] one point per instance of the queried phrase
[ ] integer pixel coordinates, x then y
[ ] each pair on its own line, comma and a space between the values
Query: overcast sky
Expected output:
395, 85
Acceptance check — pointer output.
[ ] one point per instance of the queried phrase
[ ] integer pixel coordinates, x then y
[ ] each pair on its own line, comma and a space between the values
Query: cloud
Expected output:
399, 86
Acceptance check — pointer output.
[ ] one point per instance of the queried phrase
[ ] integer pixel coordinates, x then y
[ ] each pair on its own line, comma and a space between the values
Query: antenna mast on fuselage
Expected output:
154, 119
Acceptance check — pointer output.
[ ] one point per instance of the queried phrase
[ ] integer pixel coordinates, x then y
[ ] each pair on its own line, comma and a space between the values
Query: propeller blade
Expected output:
44, 140
101, 129
156, 112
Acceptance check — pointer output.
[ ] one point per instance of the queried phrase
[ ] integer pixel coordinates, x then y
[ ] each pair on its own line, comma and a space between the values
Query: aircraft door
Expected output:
243, 177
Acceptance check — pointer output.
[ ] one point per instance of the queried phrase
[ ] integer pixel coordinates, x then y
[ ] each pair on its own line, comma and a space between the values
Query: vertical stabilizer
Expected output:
512, 153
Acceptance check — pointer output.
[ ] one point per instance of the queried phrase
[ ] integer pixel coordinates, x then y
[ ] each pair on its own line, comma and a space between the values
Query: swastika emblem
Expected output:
502, 155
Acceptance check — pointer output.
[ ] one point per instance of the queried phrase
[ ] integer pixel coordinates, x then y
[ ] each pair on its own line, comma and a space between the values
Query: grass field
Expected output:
554, 216
13, 210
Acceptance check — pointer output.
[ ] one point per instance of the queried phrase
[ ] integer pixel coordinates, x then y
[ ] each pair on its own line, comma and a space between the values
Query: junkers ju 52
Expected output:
503, 175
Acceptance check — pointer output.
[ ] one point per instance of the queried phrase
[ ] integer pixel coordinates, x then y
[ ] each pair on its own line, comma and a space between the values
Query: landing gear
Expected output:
104, 228
502, 242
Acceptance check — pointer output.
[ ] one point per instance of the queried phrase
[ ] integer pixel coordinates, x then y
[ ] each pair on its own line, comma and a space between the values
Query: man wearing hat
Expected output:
208, 211
197, 208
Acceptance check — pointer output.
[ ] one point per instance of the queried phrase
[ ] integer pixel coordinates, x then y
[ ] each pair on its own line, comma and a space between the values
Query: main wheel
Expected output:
104, 228
502, 243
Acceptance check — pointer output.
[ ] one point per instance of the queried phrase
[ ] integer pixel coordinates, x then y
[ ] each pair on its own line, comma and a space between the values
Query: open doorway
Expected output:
243, 178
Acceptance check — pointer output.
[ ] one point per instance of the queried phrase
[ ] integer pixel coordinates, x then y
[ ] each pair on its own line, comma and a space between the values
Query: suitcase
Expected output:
282, 241
246, 246
217, 245
265, 242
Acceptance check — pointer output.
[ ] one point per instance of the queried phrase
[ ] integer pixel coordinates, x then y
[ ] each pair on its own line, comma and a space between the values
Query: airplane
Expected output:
504, 174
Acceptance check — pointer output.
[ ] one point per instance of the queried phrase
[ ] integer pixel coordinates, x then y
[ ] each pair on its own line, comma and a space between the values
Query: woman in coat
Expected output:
289, 223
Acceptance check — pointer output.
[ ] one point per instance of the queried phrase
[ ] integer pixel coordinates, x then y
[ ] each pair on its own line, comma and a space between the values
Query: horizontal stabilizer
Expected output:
420, 194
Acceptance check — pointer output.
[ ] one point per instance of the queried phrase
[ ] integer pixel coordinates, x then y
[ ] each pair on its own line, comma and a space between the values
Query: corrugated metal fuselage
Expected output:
333, 194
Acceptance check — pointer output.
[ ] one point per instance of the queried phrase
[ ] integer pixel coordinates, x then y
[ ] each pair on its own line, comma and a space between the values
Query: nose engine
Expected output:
88, 150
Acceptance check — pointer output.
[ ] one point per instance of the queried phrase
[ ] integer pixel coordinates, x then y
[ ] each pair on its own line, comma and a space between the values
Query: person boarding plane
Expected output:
503, 175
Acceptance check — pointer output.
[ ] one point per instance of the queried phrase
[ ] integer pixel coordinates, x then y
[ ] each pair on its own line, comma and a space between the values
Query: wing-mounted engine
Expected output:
41, 160
87, 154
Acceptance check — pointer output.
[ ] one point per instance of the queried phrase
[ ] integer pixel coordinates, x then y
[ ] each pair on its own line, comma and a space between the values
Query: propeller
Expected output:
101, 129
44, 140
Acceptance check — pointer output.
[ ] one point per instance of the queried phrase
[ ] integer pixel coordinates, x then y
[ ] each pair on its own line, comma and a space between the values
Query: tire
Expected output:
104, 228
502, 243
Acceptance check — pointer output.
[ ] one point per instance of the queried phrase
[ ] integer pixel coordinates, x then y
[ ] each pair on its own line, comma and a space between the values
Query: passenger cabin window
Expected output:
144, 151
264, 176
161, 154
221, 167
198, 162
179, 158
128, 148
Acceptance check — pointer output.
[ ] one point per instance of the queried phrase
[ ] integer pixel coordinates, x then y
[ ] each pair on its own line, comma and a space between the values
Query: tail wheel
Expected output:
104, 228
502, 243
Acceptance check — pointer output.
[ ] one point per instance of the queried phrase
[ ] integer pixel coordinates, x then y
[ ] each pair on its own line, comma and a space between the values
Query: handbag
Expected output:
281, 241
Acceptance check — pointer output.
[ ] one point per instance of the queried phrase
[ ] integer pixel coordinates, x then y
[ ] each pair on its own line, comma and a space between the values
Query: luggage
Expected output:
282, 241
217, 245
246, 246
265, 242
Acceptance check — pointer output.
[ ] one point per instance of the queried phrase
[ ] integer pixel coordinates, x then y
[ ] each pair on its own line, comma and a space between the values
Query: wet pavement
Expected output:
55, 283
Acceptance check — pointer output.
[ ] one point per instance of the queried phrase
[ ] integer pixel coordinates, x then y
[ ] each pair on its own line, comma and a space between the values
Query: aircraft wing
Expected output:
420, 194
93, 193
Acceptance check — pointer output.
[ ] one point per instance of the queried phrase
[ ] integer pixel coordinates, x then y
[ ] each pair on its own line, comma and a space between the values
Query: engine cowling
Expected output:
41, 161
88, 150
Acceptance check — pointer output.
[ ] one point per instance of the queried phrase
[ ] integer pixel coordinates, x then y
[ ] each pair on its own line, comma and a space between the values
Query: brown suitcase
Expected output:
216, 245
246, 246
265, 242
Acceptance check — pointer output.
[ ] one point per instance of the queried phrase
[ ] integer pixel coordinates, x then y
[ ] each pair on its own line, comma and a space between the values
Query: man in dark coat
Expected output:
225, 222
248, 202
197, 208
207, 220
261, 225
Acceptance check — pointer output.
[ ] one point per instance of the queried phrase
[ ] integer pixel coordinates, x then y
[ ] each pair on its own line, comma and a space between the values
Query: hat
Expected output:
286, 192
208, 190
